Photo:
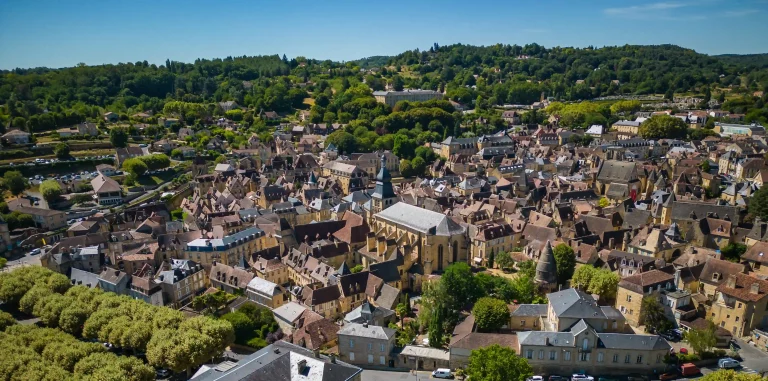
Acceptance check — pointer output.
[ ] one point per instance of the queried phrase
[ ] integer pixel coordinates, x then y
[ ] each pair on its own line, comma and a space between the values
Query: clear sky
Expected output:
58, 33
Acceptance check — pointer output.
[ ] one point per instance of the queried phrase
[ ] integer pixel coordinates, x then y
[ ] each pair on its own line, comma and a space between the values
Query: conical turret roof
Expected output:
546, 269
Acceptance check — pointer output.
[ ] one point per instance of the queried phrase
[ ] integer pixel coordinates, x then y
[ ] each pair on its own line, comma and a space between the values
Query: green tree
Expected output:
663, 127
220, 159
108, 366
118, 137
705, 167
731, 375
357, 269
565, 259
402, 311
582, 277
51, 190
176, 153
653, 316
436, 327
406, 169
497, 363
733, 251
669, 95
504, 260
701, 340
490, 314
398, 83
6, 320
603, 202
460, 284
344, 141
243, 326
15, 182
73, 317
758, 204
135, 166
61, 151
604, 283
527, 268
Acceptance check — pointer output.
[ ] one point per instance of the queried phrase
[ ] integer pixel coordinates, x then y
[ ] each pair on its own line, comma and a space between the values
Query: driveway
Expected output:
25, 260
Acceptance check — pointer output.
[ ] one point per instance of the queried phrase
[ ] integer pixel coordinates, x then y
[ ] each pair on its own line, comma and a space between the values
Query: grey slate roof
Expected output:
546, 268
530, 310
371, 331
421, 220
554, 339
571, 303
279, 362
631, 341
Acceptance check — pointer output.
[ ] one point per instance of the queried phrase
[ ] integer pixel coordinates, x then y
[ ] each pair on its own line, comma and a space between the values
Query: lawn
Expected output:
157, 178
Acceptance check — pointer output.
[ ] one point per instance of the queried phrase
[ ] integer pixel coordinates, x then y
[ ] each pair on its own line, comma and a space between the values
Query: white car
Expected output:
728, 363
442, 373
535, 378
581, 377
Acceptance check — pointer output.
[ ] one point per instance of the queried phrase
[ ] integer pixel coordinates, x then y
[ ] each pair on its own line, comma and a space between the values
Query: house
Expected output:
390, 98
164, 145
167, 122
108, 191
266, 293
111, 117
582, 349
106, 170
633, 289
46, 219
116, 281
228, 105
595, 130
123, 154
741, 304
367, 345
187, 152
181, 282
627, 127
269, 115
16, 137
84, 278
281, 361
511, 117
231, 279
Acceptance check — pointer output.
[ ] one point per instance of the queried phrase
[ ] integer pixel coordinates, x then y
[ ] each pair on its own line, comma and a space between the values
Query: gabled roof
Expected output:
572, 303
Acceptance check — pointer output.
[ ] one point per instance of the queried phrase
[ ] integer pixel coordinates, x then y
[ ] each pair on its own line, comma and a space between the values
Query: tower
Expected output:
383, 194
312, 182
546, 269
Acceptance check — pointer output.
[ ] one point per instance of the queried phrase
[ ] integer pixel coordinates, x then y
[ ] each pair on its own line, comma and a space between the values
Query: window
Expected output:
351, 356
541, 354
382, 348
658, 359
522, 323
626, 359
737, 318
629, 298
553, 355
382, 360
370, 359
351, 343
370, 347
585, 344
529, 354
615, 358
615, 325
639, 359
739, 305
567, 356
600, 356
584, 356
631, 312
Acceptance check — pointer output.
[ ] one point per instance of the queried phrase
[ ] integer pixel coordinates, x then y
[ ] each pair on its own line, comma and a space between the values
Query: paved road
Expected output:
379, 375
26, 260
753, 358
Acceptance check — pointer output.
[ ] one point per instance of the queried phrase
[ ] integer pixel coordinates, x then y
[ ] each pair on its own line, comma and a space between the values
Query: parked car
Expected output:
442, 373
669, 376
670, 336
162, 373
728, 363
683, 351
535, 378
35, 252
556, 378
581, 377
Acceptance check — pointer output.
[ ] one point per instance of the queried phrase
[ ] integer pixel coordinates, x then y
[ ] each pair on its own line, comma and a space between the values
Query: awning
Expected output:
478, 260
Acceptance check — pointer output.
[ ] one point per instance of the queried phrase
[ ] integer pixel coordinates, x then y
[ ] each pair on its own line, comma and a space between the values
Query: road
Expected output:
25, 260
380, 375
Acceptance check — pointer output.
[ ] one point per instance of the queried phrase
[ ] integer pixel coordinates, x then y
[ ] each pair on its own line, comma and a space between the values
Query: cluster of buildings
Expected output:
333, 242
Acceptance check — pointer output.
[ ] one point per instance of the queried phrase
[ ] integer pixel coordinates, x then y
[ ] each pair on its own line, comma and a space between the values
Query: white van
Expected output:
442, 373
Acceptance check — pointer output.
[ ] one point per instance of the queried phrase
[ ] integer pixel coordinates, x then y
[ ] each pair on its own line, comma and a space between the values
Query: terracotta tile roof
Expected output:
747, 288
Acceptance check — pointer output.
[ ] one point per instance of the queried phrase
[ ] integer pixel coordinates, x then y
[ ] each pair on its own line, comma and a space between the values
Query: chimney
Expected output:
333, 358
365, 324
677, 277
302, 366
754, 288
731, 281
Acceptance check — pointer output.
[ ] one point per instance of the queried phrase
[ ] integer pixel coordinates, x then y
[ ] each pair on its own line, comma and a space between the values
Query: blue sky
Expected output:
57, 33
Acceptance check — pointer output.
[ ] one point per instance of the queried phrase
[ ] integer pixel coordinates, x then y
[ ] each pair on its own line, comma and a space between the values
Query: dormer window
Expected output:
715, 276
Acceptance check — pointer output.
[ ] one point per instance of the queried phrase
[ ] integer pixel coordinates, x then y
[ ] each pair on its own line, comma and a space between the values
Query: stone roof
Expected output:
421, 220
371, 331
